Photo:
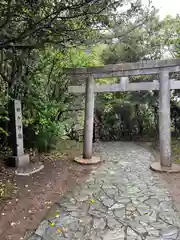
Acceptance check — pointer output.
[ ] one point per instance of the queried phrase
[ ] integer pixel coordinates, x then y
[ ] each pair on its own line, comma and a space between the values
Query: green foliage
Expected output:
142, 43
39, 39
36, 24
3, 112
47, 106
134, 114
41, 129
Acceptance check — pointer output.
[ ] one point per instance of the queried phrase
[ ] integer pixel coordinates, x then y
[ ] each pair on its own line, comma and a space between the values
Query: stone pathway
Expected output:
121, 200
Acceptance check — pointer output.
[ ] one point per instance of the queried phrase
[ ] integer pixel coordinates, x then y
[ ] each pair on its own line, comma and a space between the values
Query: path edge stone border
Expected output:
94, 160
27, 172
156, 166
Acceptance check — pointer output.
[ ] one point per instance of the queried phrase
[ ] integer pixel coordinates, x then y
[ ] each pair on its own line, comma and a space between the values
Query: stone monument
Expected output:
19, 159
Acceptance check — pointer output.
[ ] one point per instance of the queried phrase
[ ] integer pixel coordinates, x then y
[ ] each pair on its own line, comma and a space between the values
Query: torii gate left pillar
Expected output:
88, 119
88, 157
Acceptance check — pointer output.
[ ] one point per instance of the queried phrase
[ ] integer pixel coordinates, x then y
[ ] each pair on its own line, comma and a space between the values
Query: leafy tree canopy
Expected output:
33, 24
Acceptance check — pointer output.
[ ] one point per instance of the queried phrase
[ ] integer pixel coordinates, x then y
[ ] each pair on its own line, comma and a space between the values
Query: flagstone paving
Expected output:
121, 200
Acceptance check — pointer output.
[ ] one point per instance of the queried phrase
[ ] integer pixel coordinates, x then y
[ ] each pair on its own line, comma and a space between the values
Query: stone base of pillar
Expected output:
92, 161
156, 166
29, 169
18, 161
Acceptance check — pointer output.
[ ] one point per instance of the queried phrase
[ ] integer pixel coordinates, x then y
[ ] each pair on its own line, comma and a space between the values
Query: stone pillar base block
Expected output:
29, 169
156, 166
18, 161
92, 161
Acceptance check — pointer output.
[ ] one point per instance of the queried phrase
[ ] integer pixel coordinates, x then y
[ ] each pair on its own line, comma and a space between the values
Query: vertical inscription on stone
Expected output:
18, 127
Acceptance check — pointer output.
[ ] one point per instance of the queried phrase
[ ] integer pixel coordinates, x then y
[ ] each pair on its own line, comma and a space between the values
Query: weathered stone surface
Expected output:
120, 213
152, 231
34, 237
152, 202
129, 202
122, 200
113, 223
108, 202
99, 223
117, 206
143, 209
117, 234
152, 238
170, 233
130, 207
42, 227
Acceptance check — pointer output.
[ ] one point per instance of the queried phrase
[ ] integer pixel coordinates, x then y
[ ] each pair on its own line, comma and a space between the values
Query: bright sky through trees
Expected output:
166, 7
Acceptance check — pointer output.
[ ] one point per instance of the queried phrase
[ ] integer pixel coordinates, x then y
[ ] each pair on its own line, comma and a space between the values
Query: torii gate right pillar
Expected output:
88, 119
164, 120
165, 164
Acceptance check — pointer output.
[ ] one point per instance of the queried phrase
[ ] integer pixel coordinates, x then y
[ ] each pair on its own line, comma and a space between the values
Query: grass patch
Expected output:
175, 145
66, 149
6, 189
175, 149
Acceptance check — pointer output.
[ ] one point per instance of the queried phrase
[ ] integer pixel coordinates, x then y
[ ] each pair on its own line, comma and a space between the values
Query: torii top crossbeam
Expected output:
127, 69
124, 70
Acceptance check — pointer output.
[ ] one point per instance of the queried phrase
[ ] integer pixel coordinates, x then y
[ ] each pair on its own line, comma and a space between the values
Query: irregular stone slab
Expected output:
135, 202
159, 225
152, 231
122, 200
137, 226
153, 203
99, 223
152, 238
34, 237
120, 213
82, 198
96, 213
169, 233
113, 223
111, 191
117, 206
130, 208
143, 209
131, 233
42, 228
117, 234
108, 202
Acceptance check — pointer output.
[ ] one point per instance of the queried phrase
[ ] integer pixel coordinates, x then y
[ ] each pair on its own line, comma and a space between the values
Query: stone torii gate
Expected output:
124, 71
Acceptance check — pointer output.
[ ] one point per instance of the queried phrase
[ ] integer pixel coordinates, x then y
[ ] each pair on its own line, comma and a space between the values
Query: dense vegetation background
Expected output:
38, 40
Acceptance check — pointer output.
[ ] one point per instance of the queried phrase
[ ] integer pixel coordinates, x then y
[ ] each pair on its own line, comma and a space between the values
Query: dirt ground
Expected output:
32, 196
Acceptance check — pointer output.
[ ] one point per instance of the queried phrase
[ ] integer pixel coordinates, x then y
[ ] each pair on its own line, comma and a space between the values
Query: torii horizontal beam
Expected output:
124, 86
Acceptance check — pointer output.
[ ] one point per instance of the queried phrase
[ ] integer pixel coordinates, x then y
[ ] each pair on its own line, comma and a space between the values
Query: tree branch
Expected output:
7, 15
